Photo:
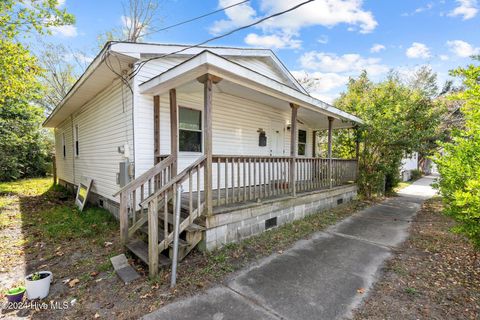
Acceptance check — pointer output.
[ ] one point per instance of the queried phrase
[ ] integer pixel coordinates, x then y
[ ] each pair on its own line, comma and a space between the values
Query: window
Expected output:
77, 151
189, 130
64, 147
302, 142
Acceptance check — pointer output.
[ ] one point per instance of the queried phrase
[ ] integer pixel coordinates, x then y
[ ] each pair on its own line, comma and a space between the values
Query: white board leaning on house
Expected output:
82, 192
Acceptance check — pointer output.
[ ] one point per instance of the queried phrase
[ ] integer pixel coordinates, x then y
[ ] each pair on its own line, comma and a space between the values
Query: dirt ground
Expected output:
435, 275
40, 229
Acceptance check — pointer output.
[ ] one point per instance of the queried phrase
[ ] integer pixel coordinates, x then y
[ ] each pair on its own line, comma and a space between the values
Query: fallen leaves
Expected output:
361, 290
73, 282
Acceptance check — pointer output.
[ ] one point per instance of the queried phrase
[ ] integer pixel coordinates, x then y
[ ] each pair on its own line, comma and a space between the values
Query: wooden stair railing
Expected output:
137, 191
161, 198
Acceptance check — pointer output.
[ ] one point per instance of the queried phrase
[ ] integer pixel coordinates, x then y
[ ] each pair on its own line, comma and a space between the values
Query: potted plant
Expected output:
38, 284
15, 294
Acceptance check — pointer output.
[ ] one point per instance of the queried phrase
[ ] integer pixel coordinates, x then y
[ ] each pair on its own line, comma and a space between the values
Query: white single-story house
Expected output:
230, 126
409, 163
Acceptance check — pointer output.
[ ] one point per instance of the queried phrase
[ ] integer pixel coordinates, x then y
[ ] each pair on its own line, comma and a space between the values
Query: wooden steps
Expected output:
140, 249
190, 237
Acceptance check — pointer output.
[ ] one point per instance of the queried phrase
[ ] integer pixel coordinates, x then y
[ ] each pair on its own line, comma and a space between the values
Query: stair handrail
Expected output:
146, 175
179, 178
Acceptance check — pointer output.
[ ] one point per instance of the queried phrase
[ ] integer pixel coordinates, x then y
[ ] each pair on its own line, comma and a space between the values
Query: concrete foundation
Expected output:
241, 223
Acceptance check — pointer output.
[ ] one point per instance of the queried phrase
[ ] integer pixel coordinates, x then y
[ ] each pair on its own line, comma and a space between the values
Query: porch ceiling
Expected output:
243, 82
312, 119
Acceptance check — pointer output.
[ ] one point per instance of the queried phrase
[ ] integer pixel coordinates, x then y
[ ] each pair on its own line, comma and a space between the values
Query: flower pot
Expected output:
15, 294
38, 289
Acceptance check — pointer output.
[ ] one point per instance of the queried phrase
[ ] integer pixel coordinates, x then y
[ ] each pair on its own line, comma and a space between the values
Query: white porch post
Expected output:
293, 147
329, 155
174, 130
207, 94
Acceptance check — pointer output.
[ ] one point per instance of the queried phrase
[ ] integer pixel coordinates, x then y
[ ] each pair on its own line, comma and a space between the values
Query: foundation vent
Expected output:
270, 223
339, 201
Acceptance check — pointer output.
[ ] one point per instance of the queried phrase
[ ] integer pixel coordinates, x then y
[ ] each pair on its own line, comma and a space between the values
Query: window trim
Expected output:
191, 130
76, 141
303, 143
64, 145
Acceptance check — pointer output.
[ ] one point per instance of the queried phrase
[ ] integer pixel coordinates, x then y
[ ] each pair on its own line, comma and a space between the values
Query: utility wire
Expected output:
142, 64
197, 18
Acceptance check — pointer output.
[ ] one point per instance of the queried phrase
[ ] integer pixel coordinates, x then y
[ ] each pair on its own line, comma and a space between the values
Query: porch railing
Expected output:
131, 195
253, 178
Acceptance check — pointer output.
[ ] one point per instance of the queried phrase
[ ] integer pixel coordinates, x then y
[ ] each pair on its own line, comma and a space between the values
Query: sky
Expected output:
330, 40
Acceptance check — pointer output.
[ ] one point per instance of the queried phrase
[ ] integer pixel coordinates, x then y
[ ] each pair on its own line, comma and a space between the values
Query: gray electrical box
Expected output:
123, 174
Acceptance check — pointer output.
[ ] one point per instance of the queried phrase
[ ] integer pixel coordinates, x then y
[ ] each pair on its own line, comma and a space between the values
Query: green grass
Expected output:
40, 208
66, 222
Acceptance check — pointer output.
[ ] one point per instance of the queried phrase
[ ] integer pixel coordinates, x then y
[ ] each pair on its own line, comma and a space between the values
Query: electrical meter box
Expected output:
124, 173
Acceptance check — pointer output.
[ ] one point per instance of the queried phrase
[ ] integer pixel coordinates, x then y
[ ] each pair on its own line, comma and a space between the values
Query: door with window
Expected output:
277, 143
190, 139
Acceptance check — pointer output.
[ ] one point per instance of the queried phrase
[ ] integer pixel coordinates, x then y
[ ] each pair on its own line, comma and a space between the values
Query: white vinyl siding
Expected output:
63, 135
104, 124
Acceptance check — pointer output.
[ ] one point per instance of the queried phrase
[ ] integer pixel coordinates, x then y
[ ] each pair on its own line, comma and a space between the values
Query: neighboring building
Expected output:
409, 163
230, 125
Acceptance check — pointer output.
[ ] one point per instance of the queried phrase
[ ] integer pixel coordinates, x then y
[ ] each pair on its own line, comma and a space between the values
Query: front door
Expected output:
277, 143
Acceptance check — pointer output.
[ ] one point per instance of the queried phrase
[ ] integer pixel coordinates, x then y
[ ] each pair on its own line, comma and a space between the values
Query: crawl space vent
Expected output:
270, 223
340, 201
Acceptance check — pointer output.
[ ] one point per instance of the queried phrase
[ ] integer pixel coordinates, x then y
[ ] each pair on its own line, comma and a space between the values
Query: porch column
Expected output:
156, 129
329, 154
293, 147
314, 144
174, 130
207, 95
357, 150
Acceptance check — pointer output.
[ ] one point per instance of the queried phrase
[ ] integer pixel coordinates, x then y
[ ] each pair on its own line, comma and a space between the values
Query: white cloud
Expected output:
272, 41
68, 31
240, 15
443, 57
462, 49
418, 10
347, 63
328, 13
468, 9
323, 86
323, 39
418, 50
377, 48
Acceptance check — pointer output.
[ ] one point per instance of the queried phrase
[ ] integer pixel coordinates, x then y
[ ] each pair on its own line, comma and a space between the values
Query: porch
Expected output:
186, 195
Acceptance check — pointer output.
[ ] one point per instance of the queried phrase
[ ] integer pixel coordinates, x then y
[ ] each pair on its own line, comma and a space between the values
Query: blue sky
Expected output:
331, 40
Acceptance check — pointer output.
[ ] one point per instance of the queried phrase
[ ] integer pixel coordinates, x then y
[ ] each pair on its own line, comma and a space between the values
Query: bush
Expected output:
459, 163
415, 174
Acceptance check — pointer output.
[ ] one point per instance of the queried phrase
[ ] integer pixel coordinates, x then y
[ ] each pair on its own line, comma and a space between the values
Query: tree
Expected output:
24, 16
59, 75
459, 161
24, 146
140, 18
397, 119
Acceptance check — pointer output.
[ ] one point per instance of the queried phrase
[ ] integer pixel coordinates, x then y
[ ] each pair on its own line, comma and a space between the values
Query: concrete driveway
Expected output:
324, 277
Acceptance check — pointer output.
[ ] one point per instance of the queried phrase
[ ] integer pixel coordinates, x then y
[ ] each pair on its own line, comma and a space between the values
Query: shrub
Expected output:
415, 174
459, 163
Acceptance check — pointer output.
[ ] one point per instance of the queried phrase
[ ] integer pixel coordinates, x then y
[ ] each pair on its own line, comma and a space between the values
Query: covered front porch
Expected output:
252, 141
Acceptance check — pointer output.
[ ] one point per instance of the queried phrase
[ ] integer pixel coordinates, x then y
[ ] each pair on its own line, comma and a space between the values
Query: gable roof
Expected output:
102, 72
212, 63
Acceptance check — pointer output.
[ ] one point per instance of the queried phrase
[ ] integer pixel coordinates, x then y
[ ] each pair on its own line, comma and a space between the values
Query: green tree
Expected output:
398, 119
24, 145
459, 162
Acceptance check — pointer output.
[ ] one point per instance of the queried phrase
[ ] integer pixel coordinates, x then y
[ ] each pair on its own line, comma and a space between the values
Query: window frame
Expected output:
76, 141
191, 130
64, 145
302, 143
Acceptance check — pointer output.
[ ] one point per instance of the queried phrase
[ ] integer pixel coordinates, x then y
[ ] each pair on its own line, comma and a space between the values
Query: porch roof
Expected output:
209, 62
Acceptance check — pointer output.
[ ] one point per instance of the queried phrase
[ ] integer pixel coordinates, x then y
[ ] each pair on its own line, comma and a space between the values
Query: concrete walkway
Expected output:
318, 278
